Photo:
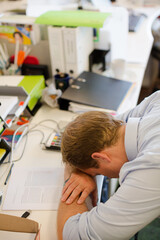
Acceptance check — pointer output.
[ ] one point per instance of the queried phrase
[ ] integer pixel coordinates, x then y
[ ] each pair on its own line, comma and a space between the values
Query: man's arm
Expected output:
78, 186
142, 108
133, 206
66, 211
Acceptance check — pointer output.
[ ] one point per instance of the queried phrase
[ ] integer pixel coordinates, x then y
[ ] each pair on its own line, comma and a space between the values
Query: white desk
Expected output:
34, 155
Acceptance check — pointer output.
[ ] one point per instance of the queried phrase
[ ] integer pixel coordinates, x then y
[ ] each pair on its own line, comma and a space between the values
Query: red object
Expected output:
21, 103
28, 60
22, 121
8, 121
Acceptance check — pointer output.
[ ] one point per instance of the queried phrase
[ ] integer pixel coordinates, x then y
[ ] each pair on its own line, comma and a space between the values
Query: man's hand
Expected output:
79, 184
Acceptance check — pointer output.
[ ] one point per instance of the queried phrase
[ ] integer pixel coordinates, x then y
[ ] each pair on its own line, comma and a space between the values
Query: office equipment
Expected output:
2, 153
135, 21
54, 142
26, 214
13, 101
21, 101
78, 44
56, 46
35, 69
1, 195
69, 49
96, 90
9, 174
6, 104
33, 86
5, 150
74, 18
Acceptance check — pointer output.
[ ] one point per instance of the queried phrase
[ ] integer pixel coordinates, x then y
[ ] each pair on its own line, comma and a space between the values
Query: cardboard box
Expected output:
17, 226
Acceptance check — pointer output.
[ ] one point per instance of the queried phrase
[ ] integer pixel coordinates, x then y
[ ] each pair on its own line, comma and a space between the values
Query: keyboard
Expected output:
135, 21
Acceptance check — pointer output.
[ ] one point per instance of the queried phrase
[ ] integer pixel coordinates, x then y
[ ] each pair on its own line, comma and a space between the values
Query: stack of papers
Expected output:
6, 235
34, 188
81, 108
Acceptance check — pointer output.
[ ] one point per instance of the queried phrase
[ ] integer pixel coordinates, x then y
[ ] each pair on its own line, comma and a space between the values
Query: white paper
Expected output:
34, 188
6, 235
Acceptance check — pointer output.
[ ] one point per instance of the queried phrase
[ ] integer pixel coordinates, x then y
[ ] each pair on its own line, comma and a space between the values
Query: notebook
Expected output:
96, 90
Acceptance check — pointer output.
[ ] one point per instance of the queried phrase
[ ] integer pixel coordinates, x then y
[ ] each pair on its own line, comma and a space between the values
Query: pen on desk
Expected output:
9, 173
26, 214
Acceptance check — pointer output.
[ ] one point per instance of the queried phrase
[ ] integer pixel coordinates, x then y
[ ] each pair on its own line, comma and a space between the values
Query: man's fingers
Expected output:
73, 195
65, 187
83, 196
72, 190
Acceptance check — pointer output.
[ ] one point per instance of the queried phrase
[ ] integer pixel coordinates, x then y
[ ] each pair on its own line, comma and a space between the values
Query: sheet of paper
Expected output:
34, 188
6, 235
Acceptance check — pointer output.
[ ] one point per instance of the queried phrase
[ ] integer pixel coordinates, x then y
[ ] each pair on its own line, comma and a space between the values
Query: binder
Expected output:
96, 90
78, 44
56, 46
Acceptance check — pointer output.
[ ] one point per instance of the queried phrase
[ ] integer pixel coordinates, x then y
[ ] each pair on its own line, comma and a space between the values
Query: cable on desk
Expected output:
13, 139
46, 120
36, 130
18, 159
26, 135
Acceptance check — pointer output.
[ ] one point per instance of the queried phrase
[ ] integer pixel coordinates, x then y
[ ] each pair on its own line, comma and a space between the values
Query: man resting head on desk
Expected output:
127, 148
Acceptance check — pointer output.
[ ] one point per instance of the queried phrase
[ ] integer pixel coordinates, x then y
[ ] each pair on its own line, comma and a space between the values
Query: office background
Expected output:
42, 52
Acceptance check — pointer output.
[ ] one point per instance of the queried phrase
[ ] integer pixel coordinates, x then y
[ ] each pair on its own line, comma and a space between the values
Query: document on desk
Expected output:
34, 188
6, 235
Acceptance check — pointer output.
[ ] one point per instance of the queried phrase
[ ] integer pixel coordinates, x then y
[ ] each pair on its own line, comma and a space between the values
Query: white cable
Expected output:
13, 139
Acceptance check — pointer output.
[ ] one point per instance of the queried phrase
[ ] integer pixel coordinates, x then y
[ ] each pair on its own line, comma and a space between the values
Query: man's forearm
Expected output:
66, 211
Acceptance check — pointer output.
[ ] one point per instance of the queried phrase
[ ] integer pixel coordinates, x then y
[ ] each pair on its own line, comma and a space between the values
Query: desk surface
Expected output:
34, 156
139, 47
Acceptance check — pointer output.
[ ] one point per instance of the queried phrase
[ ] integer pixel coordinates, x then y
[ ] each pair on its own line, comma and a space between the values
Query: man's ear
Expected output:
101, 156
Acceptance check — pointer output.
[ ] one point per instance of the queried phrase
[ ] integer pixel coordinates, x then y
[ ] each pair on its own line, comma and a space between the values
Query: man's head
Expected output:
89, 133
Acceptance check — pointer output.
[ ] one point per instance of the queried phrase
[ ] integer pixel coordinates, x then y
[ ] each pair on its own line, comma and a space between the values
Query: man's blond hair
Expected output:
90, 132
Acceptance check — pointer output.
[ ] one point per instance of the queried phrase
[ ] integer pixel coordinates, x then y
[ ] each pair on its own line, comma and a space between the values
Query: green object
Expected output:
96, 35
78, 18
33, 86
150, 232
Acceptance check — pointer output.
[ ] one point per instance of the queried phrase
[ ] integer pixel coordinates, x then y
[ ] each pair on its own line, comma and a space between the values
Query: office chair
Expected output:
136, 236
155, 53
